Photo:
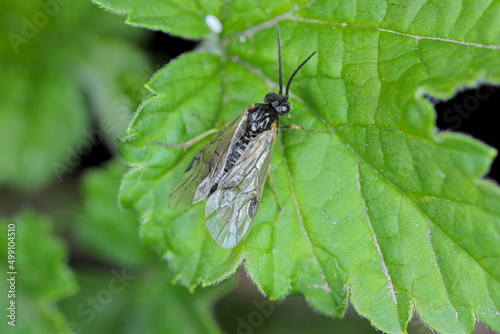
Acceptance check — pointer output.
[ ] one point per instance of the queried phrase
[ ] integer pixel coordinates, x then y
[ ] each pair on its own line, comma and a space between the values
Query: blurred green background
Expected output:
71, 77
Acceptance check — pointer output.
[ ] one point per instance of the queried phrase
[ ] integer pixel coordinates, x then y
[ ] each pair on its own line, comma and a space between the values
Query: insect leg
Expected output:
190, 142
271, 180
209, 120
298, 127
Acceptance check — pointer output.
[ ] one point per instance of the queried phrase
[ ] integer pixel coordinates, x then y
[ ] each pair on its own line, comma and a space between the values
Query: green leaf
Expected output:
54, 73
384, 211
133, 294
143, 302
180, 17
104, 230
42, 277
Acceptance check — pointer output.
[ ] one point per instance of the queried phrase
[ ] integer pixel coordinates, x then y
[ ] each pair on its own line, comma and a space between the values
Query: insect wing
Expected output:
231, 208
207, 166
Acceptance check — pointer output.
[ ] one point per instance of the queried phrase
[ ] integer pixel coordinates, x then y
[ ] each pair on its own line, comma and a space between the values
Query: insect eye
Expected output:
283, 109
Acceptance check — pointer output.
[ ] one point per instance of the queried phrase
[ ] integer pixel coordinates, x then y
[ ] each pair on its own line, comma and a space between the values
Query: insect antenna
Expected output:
293, 75
279, 56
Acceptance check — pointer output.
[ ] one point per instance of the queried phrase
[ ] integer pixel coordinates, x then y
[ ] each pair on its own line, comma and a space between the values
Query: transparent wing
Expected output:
207, 166
231, 208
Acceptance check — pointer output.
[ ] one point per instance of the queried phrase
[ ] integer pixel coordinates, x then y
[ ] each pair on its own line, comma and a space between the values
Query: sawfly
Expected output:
231, 170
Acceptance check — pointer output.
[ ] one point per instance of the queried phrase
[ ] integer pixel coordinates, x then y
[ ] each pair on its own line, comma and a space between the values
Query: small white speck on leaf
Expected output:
213, 23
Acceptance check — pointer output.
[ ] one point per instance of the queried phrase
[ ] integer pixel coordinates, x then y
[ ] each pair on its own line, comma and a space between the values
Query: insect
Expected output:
231, 170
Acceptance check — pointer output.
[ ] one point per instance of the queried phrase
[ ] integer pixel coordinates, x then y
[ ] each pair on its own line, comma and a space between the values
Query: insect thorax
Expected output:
260, 119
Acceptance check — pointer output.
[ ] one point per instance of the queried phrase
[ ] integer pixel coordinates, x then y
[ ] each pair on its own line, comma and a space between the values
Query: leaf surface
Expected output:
42, 277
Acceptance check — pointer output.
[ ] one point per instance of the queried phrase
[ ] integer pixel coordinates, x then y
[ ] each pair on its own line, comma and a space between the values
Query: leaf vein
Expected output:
440, 39
300, 218
416, 15
429, 235
377, 246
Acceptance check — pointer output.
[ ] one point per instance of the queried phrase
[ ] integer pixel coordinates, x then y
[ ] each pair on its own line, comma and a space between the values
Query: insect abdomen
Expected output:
237, 151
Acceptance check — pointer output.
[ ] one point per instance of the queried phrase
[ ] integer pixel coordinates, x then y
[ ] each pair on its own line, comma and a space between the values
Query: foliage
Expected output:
130, 288
384, 210
56, 79
123, 288
42, 277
